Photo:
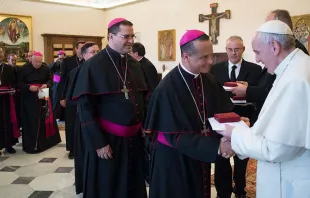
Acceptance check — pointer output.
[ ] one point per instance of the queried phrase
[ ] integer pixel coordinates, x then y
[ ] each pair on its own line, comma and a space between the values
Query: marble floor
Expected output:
49, 174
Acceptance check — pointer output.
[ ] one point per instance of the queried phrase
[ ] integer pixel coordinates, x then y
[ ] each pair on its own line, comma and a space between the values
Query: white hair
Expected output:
286, 41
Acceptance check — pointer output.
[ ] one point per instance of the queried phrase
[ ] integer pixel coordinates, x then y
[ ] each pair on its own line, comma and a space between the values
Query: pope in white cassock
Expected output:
280, 139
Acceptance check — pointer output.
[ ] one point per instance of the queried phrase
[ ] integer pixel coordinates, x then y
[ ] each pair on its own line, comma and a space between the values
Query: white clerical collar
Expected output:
230, 64
140, 59
196, 75
282, 66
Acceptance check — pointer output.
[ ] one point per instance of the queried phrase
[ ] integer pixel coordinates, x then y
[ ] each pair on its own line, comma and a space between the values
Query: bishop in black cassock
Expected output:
68, 65
88, 50
178, 113
110, 90
40, 130
9, 130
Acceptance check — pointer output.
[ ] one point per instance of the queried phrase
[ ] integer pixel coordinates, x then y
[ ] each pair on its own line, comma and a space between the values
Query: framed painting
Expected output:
166, 45
301, 29
16, 35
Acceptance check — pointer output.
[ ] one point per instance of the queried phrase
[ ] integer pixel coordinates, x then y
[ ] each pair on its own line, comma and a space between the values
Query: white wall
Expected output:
56, 19
246, 15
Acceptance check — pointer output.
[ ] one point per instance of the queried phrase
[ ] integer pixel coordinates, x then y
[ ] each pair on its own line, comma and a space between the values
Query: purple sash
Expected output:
56, 78
119, 130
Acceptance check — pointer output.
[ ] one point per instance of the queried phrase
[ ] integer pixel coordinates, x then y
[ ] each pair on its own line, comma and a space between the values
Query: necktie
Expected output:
233, 74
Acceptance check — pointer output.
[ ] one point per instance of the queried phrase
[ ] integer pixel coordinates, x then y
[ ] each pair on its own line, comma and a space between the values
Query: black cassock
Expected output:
68, 65
181, 154
40, 131
9, 129
151, 78
108, 118
79, 147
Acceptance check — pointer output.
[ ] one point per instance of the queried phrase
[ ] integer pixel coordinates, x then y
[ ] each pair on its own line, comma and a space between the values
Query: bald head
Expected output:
282, 15
36, 61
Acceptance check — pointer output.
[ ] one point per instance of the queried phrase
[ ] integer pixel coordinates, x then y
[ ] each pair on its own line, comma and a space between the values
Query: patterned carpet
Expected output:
251, 178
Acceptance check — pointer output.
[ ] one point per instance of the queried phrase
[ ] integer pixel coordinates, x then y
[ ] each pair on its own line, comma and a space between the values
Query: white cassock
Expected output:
280, 139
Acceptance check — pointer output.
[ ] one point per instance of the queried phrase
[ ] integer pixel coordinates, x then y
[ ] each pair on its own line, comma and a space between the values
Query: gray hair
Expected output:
285, 40
232, 38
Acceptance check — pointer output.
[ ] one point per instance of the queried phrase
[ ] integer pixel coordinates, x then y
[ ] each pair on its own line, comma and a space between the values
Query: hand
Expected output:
105, 152
225, 148
63, 103
33, 88
240, 90
243, 82
227, 132
246, 120
43, 86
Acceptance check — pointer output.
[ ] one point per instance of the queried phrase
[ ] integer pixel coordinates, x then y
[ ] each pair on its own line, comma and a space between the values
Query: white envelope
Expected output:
216, 126
43, 93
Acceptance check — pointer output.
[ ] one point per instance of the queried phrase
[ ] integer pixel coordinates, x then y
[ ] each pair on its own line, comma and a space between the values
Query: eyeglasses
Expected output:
236, 50
127, 36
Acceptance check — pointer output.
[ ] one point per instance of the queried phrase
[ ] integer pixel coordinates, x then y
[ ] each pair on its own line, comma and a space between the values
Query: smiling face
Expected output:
265, 53
123, 40
201, 60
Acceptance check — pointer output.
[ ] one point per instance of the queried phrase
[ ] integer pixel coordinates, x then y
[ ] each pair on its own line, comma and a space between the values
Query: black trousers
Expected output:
223, 176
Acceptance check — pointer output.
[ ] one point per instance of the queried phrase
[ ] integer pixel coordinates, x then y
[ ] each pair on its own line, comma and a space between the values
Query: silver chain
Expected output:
125, 76
203, 99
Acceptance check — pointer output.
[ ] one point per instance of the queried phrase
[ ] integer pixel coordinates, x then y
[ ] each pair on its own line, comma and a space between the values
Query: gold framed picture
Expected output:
16, 35
167, 45
301, 29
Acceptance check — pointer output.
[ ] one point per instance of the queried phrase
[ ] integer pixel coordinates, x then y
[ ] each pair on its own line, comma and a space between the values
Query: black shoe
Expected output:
10, 150
71, 155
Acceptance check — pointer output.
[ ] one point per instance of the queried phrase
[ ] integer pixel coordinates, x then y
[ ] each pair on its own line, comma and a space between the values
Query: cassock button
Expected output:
130, 89
136, 104
128, 82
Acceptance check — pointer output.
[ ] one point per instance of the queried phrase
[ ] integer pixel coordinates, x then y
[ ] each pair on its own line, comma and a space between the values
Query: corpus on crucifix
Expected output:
214, 19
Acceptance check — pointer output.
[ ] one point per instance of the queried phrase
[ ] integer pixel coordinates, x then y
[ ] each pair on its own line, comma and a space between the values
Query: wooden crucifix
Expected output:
214, 24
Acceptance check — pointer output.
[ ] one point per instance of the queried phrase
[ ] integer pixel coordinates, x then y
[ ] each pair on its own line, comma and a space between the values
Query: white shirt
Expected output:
230, 65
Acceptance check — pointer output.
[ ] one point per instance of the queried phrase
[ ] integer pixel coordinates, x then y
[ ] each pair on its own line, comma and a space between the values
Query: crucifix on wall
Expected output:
214, 24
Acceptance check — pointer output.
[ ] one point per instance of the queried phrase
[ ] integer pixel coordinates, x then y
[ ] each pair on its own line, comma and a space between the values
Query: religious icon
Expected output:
214, 19
13, 30
301, 29
166, 45
15, 35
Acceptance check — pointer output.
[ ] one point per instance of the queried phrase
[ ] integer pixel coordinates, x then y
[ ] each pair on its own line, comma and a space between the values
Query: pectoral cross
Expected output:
214, 19
125, 91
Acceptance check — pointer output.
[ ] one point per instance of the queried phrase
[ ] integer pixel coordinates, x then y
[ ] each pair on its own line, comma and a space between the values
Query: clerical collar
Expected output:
140, 59
195, 75
230, 64
115, 53
283, 65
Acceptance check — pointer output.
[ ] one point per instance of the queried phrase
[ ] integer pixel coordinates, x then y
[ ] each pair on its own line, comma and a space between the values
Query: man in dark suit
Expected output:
235, 69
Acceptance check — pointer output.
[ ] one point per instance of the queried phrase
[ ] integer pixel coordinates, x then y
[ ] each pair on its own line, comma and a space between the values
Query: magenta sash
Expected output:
161, 138
56, 78
49, 121
119, 130
15, 129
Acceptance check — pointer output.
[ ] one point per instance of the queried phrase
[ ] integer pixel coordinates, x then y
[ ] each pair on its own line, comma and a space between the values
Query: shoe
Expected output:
71, 155
10, 150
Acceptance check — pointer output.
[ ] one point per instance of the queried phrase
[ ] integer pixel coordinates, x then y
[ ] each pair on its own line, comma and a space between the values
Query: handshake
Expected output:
225, 145
225, 148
